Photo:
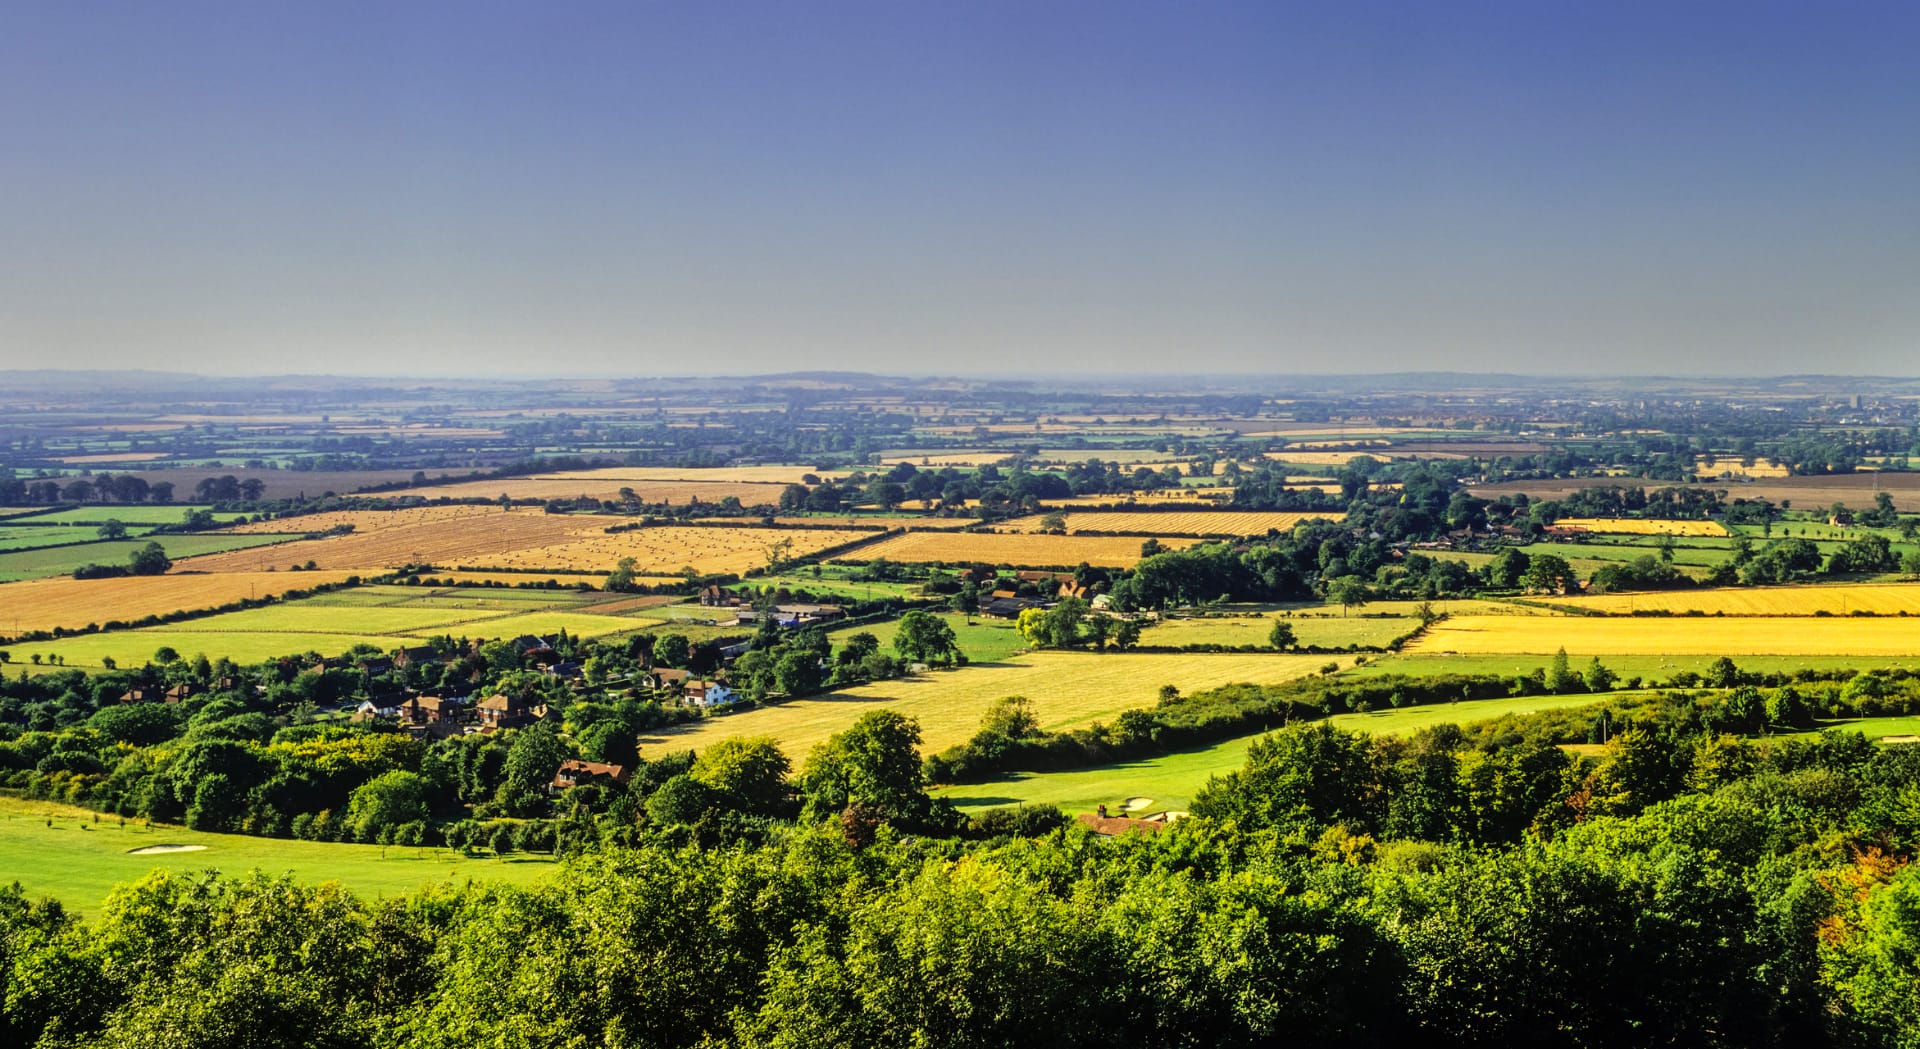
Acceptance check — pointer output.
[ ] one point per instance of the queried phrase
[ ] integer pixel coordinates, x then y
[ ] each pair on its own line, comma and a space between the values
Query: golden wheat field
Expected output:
1887, 599
1198, 495
1630, 636
1707, 464
900, 524
1037, 551
1068, 689
1642, 526
488, 537
42, 604
1199, 522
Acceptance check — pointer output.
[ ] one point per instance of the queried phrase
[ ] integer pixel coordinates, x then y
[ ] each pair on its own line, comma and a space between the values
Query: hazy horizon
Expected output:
438, 190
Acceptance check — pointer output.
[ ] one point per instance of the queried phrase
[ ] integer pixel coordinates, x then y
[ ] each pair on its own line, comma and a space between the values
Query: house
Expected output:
717, 596
665, 677
139, 694
426, 710
374, 666
501, 711
385, 705
180, 692
702, 693
567, 670
536, 649
574, 772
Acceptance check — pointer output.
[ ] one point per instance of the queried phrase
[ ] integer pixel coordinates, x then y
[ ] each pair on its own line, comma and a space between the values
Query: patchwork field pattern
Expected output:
1713, 635
1642, 526
1068, 689
1037, 551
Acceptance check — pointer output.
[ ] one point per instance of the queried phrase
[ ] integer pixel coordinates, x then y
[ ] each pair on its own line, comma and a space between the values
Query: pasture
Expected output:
97, 514
42, 563
1068, 689
1024, 551
1320, 630
1170, 781
1712, 635
983, 640
81, 856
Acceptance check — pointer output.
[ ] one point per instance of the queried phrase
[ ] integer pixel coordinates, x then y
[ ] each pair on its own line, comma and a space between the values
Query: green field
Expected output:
24, 537
1171, 780
983, 640
172, 513
78, 861
61, 560
1318, 629
134, 647
830, 586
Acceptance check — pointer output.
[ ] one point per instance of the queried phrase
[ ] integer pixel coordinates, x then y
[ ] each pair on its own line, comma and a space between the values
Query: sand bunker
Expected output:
154, 850
1136, 804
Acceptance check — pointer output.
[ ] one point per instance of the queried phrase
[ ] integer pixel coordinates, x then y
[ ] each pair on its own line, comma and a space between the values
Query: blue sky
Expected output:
441, 188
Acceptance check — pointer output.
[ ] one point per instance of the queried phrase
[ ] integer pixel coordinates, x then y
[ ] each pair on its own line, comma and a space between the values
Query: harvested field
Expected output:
1036, 551
898, 523
1642, 526
1197, 523
678, 493
1717, 636
43, 604
1068, 689
1886, 599
482, 537
1708, 466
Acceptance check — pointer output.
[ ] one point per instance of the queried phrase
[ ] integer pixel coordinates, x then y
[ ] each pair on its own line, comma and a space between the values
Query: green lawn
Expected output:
1171, 780
78, 861
43, 563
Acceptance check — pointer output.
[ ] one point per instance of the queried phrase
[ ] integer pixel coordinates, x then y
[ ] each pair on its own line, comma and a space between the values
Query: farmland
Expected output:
81, 856
1197, 523
983, 640
482, 537
1068, 689
1885, 599
385, 617
1642, 526
1714, 635
93, 516
1322, 631
1035, 551
62, 560
607, 486
43, 604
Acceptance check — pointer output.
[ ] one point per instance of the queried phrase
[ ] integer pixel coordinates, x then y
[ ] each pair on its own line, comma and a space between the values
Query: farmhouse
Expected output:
708, 693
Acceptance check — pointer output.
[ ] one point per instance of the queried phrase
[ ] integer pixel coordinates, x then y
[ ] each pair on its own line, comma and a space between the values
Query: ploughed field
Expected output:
1068, 690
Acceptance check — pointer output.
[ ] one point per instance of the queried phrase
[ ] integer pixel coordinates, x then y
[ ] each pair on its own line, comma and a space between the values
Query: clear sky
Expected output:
914, 187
